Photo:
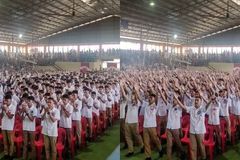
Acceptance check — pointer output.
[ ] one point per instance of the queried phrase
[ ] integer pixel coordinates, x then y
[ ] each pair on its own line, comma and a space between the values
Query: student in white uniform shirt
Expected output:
50, 118
102, 97
8, 119
123, 104
214, 119
173, 126
109, 103
131, 122
162, 109
66, 110
29, 113
197, 125
149, 127
87, 109
96, 106
225, 104
77, 114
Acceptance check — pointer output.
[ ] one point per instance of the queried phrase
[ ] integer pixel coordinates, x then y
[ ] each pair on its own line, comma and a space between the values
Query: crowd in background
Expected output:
128, 57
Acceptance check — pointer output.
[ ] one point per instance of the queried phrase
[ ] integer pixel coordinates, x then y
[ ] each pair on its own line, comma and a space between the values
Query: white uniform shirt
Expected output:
123, 104
66, 122
77, 113
7, 123
29, 125
110, 100
162, 108
213, 113
132, 112
50, 128
103, 101
150, 113
197, 119
235, 105
224, 107
174, 116
87, 112
96, 106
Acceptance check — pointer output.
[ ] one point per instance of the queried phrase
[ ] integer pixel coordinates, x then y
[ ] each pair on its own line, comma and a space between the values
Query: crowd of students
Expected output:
54, 102
201, 109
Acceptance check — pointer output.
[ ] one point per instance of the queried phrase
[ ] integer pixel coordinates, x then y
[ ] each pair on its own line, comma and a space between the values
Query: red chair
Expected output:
18, 138
39, 142
140, 124
38, 121
60, 142
83, 131
233, 128
209, 141
223, 135
185, 122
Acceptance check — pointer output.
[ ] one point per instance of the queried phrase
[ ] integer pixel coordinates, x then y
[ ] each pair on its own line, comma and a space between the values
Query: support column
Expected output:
44, 49
100, 48
78, 49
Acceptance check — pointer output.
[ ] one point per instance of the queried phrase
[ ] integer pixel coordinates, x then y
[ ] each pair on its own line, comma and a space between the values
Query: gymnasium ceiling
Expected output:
35, 19
188, 19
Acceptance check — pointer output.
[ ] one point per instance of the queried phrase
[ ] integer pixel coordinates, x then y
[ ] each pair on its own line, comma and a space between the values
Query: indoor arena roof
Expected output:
188, 20
26, 20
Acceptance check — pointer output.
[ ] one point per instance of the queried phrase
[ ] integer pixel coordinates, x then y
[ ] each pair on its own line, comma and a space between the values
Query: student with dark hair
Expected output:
50, 117
8, 119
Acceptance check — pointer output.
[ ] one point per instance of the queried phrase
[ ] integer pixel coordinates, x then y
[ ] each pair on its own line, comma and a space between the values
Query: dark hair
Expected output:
8, 96
65, 96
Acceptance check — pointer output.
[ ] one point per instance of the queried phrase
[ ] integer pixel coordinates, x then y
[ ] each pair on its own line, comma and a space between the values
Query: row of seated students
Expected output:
55, 111
198, 109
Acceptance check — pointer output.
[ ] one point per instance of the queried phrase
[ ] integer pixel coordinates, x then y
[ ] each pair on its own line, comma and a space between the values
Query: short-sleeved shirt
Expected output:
150, 113
50, 128
197, 119
29, 125
66, 122
174, 116
77, 113
8, 123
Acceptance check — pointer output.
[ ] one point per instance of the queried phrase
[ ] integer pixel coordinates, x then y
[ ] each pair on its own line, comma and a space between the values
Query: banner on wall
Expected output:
115, 63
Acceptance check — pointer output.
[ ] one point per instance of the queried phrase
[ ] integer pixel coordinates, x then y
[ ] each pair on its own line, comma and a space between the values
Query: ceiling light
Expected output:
20, 35
102, 12
105, 8
152, 3
175, 36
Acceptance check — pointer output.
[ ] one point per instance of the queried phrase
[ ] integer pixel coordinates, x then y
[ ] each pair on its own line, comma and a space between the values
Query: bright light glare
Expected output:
152, 3
175, 36
20, 35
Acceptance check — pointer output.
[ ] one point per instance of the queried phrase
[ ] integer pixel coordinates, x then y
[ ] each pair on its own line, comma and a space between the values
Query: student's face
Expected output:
151, 99
50, 103
86, 93
72, 97
7, 102
197, 102
93, 96
65, 100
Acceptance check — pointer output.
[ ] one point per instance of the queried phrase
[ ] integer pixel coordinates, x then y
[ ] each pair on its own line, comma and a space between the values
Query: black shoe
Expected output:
183, 156
142, 150
11, 158
129, 154
160, 153
125, 146
5, 157
148, 158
